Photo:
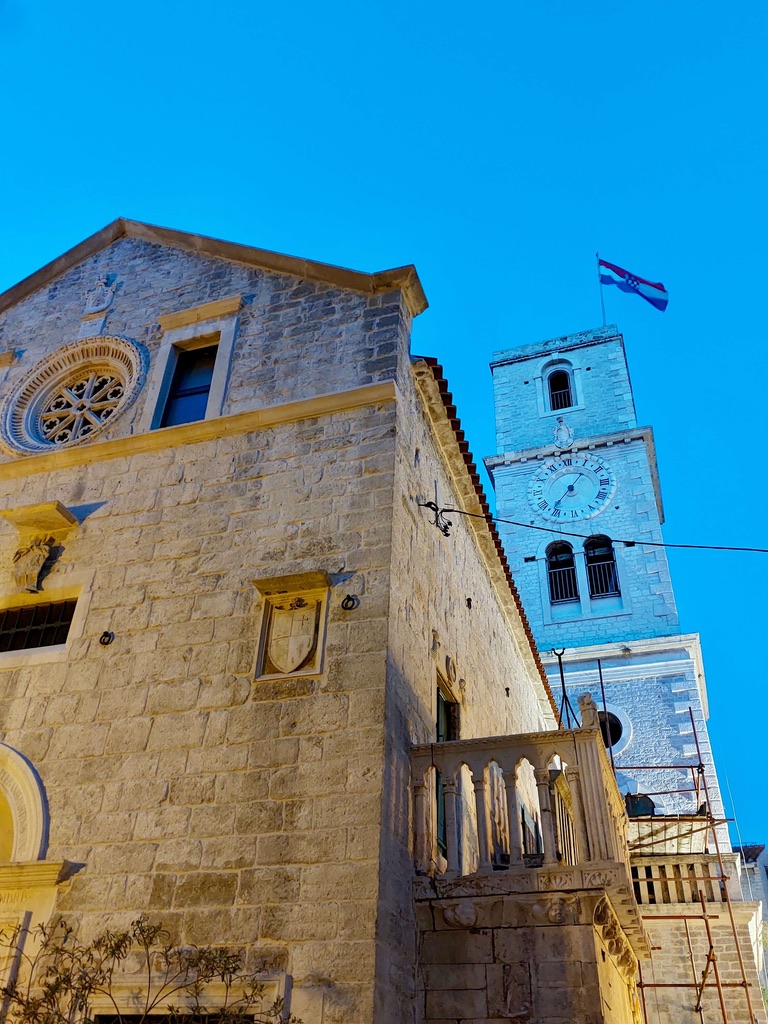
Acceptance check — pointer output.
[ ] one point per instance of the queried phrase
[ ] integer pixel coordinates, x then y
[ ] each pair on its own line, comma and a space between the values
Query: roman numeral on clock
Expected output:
605, 481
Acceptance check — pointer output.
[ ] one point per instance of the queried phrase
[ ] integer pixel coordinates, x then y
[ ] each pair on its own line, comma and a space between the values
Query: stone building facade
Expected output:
252, 682
261, 615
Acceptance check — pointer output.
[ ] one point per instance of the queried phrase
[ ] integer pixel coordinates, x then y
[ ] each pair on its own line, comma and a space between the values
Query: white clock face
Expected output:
570, 488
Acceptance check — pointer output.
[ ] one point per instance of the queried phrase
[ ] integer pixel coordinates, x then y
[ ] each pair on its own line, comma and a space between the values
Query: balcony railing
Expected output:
567, 787
561, 399
563, 585
680, 879
603, 579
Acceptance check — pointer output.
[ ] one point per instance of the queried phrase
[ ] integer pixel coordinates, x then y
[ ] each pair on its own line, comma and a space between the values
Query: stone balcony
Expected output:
561, 782
524, 894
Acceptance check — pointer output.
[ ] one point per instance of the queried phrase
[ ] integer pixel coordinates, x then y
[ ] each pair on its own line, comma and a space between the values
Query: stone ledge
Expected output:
202, 430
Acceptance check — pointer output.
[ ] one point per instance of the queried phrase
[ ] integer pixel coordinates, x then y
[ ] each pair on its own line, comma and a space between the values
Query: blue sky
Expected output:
497, 148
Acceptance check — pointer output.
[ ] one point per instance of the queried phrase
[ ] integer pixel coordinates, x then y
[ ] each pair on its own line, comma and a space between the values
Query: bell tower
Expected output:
579, 475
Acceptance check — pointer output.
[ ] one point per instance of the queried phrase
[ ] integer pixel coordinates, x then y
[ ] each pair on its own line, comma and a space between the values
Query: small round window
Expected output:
611, 728
72, 395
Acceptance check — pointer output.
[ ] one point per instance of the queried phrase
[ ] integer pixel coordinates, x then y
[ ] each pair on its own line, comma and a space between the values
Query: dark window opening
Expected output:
35, 625
610, 727
601, 568
446, 728
190, 387
560, 396
561, 573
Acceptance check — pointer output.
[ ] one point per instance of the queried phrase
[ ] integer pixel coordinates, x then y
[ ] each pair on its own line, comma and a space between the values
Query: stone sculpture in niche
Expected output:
28, 563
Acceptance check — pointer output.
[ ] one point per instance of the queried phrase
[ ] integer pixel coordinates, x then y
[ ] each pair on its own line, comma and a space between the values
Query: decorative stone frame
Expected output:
80, 591
214, 323
586, 608
626, 726
279, 593
25, 793
541, 381
20, 431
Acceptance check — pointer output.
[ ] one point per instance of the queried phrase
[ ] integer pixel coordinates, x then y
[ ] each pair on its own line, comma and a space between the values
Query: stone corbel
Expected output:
40, 528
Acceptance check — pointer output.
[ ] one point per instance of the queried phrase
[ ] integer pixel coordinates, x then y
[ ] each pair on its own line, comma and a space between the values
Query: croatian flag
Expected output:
654, 293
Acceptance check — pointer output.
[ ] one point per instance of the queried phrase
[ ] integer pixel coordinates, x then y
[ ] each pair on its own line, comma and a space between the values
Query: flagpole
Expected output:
600, 283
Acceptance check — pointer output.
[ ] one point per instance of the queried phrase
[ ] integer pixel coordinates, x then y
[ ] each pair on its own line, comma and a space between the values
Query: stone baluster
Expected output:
450, 790
422, 844
513, 813
602, 837
548, 832
582, 843
483, 832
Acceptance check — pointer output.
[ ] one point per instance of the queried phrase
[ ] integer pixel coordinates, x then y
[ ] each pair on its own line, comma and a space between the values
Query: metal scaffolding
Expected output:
682, 829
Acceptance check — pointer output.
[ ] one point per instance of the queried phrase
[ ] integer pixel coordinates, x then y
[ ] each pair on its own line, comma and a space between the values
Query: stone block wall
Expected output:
679, 958
650, 686
525, 958
447, 627
233, 809
603, 390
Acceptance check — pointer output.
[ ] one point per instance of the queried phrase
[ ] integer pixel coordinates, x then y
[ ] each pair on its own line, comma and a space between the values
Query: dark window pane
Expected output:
35, 625
601, 568
561, 574
191, 384
560, 390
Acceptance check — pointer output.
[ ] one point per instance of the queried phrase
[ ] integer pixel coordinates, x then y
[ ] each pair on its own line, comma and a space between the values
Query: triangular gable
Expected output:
404, 279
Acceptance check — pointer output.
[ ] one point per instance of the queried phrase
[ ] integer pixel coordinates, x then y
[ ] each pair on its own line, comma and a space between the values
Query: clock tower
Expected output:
578, 475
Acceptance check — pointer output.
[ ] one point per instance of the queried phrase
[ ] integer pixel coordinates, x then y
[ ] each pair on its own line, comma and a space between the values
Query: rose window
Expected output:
81, 406
72, 395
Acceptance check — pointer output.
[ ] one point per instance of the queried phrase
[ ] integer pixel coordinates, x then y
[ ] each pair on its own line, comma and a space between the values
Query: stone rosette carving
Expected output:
557, 880
72, 395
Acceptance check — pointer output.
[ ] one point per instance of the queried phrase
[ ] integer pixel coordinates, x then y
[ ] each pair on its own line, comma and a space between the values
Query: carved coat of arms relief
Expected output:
293, 633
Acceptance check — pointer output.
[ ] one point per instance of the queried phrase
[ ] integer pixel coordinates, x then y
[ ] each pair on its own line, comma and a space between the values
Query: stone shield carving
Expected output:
293, 633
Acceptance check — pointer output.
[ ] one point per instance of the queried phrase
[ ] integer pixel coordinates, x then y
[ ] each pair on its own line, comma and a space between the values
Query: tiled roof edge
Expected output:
450, 409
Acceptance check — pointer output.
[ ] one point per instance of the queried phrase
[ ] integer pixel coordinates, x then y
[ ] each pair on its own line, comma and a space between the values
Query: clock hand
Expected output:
569, 490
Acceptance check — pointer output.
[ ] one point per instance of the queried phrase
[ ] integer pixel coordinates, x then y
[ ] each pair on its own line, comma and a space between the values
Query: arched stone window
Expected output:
560, 389
561, 573
601, 567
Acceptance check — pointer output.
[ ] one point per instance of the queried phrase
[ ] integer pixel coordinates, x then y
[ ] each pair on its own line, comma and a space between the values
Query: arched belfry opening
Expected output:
560, 389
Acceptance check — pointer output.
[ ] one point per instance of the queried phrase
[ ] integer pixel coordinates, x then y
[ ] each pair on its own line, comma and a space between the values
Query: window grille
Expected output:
560, 396
190, 387
601, 568
35, 625
561, 573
